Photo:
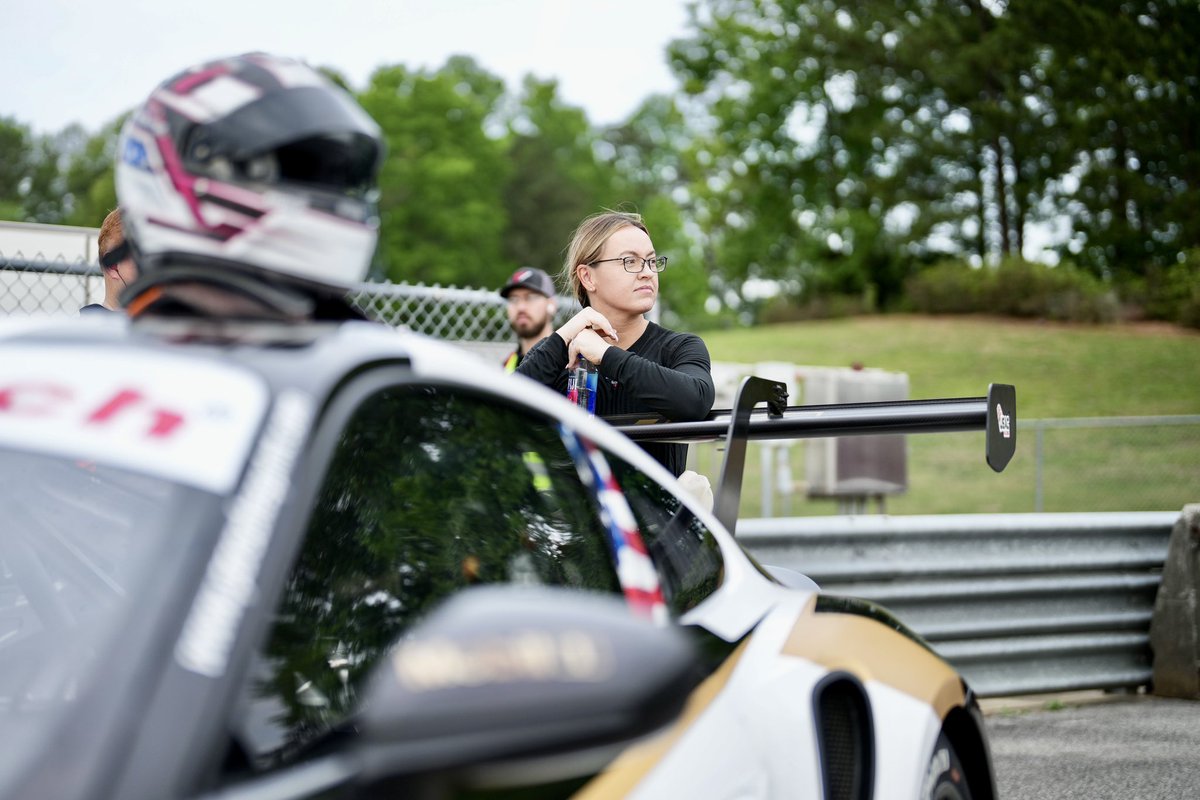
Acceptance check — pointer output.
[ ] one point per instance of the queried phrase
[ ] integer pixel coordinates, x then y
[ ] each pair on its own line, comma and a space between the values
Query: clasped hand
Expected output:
589, 334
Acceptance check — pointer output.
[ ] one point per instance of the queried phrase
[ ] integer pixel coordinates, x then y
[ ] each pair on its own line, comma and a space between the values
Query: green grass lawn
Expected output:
1060, 371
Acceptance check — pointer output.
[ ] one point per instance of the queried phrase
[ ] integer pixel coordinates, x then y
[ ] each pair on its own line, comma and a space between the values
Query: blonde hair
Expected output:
587, 242
110, 229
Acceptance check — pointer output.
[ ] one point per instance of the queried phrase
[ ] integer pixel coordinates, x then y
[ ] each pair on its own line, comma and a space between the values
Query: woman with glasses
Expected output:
613, 271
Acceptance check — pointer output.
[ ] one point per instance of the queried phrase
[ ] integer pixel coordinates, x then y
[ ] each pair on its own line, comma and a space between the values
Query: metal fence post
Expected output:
768, 479
1039, 496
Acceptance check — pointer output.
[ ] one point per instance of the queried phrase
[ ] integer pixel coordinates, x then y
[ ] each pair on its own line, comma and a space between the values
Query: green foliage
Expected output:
949, 287
441, 187
43, 188
846, 144
782, 308
65, 178
1170, 293
1015, 288
650, 154
836, 150
1125, 88
15, 155
683, 286
89, 178
556, 180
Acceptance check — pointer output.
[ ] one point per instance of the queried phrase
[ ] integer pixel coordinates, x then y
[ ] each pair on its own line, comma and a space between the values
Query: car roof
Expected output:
312, 356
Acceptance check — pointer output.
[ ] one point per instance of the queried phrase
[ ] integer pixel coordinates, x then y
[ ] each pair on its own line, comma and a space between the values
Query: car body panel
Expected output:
270, 405
741, 723
191, 422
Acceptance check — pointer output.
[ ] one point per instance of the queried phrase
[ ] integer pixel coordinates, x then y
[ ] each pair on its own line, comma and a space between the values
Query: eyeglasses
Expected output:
636, 265
115, 256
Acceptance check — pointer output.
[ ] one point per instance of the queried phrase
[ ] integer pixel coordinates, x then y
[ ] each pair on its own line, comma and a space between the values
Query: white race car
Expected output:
335, 560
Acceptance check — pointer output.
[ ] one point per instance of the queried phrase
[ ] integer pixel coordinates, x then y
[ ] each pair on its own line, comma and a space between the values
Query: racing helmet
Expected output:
251, 163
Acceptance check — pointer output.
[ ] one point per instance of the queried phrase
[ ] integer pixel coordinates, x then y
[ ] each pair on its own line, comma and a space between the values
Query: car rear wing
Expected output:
995, 414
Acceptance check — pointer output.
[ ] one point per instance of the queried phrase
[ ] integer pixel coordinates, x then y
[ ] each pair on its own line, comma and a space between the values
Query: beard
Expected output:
526, 327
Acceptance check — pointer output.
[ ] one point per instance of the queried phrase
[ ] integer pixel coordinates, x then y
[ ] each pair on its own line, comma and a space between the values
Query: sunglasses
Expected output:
115, 256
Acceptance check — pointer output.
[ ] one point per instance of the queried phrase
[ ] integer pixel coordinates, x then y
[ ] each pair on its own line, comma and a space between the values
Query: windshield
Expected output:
78, 544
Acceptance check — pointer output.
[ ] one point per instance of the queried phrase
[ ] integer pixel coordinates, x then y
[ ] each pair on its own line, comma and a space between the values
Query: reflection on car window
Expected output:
429, 491
687, 556
79, 543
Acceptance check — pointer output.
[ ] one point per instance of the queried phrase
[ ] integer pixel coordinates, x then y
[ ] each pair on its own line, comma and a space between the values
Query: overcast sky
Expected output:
66, 61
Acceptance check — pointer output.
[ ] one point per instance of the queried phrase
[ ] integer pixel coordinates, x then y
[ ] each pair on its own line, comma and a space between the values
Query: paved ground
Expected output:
1093, 746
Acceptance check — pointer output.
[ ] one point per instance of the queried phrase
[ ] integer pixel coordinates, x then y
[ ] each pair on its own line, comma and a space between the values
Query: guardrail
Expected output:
1018, 603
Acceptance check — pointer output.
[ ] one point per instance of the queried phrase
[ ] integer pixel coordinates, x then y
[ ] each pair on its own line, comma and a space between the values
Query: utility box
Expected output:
855, 469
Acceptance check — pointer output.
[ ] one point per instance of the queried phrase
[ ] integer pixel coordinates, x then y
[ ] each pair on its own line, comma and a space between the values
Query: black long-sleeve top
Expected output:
664, 372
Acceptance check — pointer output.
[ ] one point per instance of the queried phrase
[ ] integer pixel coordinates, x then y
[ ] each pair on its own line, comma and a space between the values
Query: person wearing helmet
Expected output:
247, 191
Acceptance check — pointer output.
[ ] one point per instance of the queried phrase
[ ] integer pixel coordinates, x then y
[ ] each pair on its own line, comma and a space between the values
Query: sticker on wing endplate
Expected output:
175, 418
1003, 422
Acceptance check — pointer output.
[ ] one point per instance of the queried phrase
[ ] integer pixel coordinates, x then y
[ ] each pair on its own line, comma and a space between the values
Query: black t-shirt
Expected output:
664, 372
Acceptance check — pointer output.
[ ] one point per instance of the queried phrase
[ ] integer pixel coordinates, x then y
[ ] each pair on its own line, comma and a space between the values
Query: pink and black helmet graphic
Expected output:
254, 161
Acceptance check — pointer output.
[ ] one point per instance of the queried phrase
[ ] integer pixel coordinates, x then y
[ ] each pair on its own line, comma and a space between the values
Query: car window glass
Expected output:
81, 552
430, 490
687, 556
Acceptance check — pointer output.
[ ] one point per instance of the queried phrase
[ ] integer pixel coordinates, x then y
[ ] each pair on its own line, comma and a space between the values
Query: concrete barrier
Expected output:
1175, 626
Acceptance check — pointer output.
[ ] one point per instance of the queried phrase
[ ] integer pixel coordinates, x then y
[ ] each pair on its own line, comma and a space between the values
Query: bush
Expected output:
782, 308
949, 287
1015, 288
1171, 293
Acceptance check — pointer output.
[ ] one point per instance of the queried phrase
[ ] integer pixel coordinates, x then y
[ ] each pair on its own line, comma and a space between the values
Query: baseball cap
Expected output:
529, 278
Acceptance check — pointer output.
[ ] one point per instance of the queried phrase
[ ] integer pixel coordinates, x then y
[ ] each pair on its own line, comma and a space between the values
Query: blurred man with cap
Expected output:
531, 307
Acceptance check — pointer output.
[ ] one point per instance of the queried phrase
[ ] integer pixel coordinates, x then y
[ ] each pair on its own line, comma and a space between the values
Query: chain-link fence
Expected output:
472, 318
37, 286
48, 287
1114, 463
444, 312
48, 269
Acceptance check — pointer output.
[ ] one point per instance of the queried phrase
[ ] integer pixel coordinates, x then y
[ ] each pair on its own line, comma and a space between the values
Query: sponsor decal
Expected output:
134, 154
174, 418
1003, 422
231, 580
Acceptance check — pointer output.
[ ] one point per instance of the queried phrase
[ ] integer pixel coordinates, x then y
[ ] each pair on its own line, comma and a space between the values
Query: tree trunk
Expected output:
981, 234
1019, 194
1001, 196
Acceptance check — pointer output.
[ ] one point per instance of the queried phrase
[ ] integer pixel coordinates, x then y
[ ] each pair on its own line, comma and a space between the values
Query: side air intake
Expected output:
845, 738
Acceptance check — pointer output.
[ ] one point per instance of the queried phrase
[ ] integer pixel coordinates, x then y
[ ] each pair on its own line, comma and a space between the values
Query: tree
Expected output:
851, 143
557, 178
441, 185
654, 155
15, 158
796, 182
1125, 78
89, 179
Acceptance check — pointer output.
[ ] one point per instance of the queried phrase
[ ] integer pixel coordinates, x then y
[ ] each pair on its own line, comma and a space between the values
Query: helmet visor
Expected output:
319, 136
